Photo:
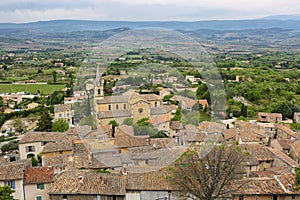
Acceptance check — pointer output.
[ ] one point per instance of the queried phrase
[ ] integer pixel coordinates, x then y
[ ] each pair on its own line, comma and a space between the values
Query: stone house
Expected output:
185, 102
12, 174
260, 158
278, 187
88, 185
148, 183
295, 151
297, 117
284, 131
37, 182
32, 143
63, 111
64, 146
269, 117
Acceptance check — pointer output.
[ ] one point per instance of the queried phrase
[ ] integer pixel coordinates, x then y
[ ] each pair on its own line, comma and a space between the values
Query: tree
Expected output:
114, 124
54, 74
128, 122
60, 125
45, 121
6, 193
244, 110
1, 102
297, 178
19, 125
209, 176
285, 108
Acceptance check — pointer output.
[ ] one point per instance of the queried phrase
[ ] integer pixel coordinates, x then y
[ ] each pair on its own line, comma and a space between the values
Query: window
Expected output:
39, 198
293, 197
124, 106
140, 110
117, 107
40, 186
109, 107
275, 197
68, 114
30, 149
98, 197
241, 197
11, 184
44, 143
99, 91
60, 115
155, 104
64, 197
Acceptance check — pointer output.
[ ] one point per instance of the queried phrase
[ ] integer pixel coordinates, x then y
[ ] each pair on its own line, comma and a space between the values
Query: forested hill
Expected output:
84, 25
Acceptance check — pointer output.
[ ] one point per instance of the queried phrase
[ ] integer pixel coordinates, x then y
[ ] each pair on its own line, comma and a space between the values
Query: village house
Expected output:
32, 143
278, 187
185, 102
148, 183
63, 111
58, 64
124, 138
12, 174
269, 117
32, 105
297, 117
295, 151
260, 158
88, 185
64, 146
37, 182
78, 96
284, 131
248, 133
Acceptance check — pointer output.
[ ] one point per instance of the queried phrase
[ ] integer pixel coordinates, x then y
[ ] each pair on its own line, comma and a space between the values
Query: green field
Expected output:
30, 88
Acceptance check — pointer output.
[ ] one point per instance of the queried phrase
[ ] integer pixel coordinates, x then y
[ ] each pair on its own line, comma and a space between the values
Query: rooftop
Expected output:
34, 175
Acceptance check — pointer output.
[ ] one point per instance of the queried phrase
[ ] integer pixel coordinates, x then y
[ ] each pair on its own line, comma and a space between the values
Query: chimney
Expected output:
80, 179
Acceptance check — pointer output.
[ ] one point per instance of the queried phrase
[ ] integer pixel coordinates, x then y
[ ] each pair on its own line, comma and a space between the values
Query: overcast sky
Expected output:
139, 10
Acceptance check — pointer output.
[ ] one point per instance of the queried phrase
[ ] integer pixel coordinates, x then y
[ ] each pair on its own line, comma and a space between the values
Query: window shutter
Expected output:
42, 186
26, 149
13, 186
33, 148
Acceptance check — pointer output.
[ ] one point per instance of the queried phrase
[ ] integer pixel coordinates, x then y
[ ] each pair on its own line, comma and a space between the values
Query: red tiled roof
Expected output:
34, 175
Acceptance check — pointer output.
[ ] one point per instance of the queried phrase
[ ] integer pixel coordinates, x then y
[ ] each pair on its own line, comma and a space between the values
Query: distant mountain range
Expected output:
283, 17
283, 22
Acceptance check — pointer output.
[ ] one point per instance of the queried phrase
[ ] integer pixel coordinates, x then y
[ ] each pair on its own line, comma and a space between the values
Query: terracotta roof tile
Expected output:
11, 171
124, 137
176, 125
88, 182
282, 156
41, 137
64, 144
260, 186
147, 179
257, 153
34, 175
62, 107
